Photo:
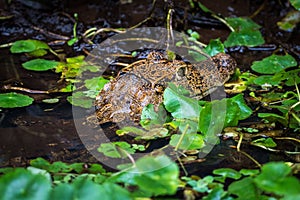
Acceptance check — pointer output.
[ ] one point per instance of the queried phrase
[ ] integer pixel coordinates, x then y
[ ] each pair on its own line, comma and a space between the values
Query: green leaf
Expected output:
290, 77
214, 47
272, 117
273, 64
266, 79
290, 21
188, 142
116, 149
79, 99
244, 110
296, 4
266, 142
241, 24
202, 185
13, 100
26, 46
246, 33
22, 184
179, 105
218, 114
130, 129
245, 189
156, 175
153, 133
96, 83
53, 100
38, 53
244, 38
275, 178
204, 8
40, 64
150, 118
227, 173
249, 172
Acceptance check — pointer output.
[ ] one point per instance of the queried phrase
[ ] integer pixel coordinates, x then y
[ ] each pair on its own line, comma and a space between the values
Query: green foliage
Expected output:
116, 149
150, 118
266, 142
290, 21
219, 114
153, 176
179, 105
214, 47
28, 46
22, 184
187, 141
275, 178
273, 64
246, 33
280, 75
227, 173
40, 64
80, 99
296, 4
14, 100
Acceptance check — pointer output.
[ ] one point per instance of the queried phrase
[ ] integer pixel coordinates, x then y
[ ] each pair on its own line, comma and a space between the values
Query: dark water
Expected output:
48, 130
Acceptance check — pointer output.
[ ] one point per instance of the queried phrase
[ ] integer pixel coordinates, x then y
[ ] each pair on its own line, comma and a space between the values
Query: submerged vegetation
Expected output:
268, 91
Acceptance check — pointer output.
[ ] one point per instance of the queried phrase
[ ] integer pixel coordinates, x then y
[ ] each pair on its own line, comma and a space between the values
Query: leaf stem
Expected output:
181, 137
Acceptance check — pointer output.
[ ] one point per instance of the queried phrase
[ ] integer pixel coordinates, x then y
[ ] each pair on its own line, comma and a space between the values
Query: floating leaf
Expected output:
40, 64
26, 46
22, 184
273, 64
188, 141
53, 100
246, 33
227, 173
214, 47
13, 100
80, 99
116, 149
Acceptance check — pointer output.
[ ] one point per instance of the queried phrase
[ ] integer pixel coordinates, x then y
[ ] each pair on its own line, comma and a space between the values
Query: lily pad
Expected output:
27, 46
13, 100
40, 64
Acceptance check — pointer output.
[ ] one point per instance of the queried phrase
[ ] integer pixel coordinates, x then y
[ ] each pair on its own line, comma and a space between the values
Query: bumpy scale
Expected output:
143, 82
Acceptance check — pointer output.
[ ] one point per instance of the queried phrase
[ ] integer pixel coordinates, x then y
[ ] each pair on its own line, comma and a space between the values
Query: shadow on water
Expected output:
48, 130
